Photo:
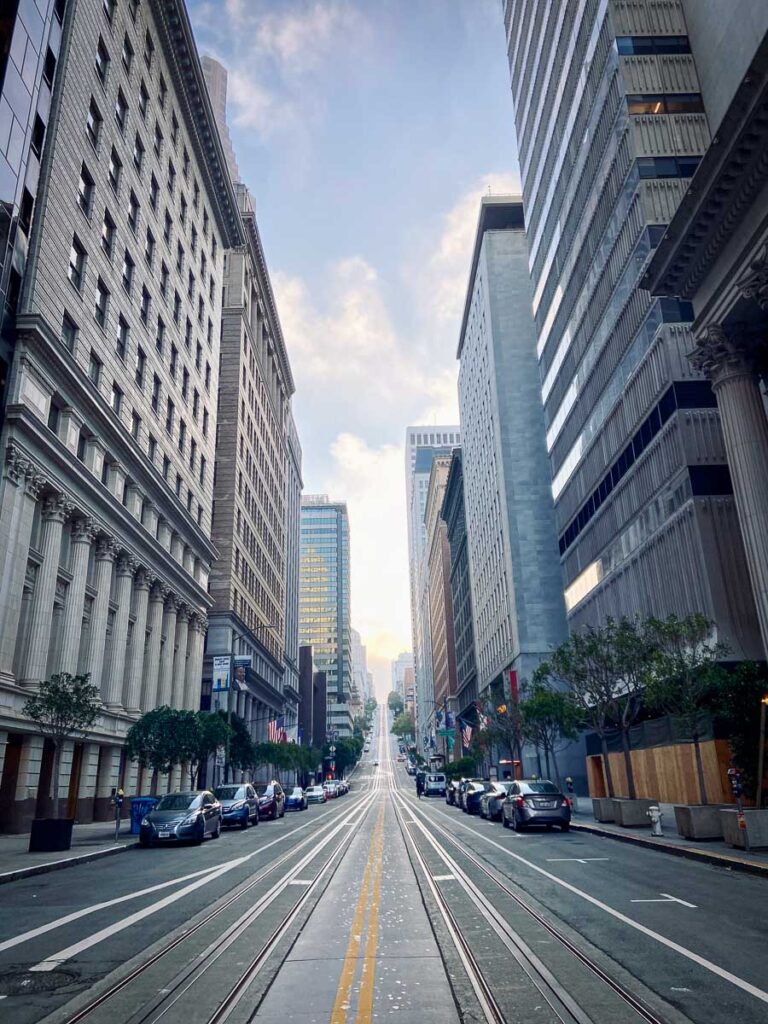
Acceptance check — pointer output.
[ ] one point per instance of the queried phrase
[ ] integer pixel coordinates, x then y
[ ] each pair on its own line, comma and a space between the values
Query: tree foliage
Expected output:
65, 705
395, 703
464, 767
403, 725
547, 718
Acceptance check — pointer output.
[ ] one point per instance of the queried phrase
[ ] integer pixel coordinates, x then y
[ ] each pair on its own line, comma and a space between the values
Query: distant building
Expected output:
293, 488
514, 567
324, 602
461, 592
400, 665
306, 690
319, 709
441, 627
216, 80
359, 674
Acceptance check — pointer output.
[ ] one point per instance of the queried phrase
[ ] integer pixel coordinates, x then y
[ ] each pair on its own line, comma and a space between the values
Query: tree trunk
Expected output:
700, 767
607, 765
628, 764
546, 760
55, 780
557, 770
538, 760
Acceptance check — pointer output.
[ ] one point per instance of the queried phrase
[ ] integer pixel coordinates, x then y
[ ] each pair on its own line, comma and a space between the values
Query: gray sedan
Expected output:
239, 804
535, 802
182, 816
491, 800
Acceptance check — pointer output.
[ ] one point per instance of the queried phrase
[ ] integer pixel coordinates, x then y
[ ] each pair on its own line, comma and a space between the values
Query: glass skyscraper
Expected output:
324, 602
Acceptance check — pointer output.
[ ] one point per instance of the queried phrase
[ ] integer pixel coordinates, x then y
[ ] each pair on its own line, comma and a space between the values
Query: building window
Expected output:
174, 361
76, 263
188, 333
155, 393
178, 485
183, 211
100, 304
207, 376
94, 369
160, 335
38, 136
205, 223
151, 448
145, 304
68, 332
127, 54
109, 9
203, 465
176, 308
191, 285
198, 356
171, 177
205, 423
85, 191
179, 257
167, 228
135, 425
195, 195
133, 212
121, 110
141, 362
102, 61
195, 404
169, 414
149, 248
108, 234
199, 514
143, 101
193, 242
164, 280
115, 170
201, 311
174, 129
182, 436
149, 50
162, 93
158, 141
192, 454
185, 383
122, 337
138, 153
133, 9
154, 192
189, 501
128, 267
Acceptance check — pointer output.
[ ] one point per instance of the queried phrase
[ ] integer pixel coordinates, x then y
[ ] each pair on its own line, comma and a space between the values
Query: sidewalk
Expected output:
710, 851
89, 842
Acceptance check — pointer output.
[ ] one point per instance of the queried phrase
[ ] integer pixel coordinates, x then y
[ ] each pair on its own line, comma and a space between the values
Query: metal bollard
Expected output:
655, 814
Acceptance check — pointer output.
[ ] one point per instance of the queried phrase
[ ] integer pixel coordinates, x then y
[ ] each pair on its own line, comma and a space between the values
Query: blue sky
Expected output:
367, 132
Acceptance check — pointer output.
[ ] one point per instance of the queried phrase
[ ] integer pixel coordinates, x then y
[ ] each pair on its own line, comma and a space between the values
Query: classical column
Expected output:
124, 569
729, 362
106, 550
83, 532
180, 659
157, 598
197, 628
165, 681
55, 512
132, 689
21, 488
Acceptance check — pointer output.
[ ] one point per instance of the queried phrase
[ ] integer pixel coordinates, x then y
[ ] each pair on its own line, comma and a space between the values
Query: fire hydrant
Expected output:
655, 814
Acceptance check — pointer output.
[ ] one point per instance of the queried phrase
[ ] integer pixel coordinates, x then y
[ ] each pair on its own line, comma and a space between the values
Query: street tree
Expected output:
241, 749
163, 738
547, 717
64, 706
370, 707
685, 669
403, 726
395, 703
212, 731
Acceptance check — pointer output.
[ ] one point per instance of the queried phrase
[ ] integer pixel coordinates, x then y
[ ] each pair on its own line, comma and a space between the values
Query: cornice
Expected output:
181, 53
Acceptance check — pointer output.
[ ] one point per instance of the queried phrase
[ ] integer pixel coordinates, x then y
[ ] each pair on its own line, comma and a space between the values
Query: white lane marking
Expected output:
300, 881
75, 915
577, 860
708, 965
668, 899
443, 878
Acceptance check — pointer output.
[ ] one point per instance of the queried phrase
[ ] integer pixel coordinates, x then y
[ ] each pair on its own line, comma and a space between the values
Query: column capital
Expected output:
57, 508
145, 578
720, 354
34, 482
84, 529
159, 592
17, 465
753, 283
106, 548
126, 564
183, 613
173, 603
199, 622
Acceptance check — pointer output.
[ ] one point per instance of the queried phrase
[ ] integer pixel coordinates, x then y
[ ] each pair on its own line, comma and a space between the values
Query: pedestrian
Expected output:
419, 784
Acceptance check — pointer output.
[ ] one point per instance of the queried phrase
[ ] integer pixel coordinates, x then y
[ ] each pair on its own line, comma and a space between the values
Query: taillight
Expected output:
520, 802
566, 802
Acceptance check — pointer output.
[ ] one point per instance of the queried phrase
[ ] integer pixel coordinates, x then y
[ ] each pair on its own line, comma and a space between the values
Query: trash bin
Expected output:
140, 805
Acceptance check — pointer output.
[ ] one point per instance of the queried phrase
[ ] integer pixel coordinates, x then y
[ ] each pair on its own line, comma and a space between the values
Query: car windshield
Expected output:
265, 790
435, 778
177, 802
539, 787
297, 791
230, 793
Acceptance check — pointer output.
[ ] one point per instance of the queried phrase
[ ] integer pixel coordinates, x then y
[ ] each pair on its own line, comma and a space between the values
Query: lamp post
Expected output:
761, 754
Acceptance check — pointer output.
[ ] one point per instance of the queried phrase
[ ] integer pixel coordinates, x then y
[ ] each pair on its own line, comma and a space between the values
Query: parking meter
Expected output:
118, 796
736, 779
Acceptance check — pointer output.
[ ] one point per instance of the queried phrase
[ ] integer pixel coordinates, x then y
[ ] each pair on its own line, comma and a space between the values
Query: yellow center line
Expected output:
341, 1003
365, 1002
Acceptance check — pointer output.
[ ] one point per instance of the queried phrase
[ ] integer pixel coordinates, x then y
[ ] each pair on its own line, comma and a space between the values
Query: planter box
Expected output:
633, 813
602, 808
50, 835
699, 821
757, 829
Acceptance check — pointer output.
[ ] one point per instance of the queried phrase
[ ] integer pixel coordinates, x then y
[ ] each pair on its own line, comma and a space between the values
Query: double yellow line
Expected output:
368, 900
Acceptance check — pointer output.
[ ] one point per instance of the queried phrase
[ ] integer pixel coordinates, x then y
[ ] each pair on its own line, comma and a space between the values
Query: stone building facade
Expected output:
108, 441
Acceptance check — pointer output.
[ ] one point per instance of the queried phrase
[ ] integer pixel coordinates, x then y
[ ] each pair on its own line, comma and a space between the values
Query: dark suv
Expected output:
271, 800
239, 804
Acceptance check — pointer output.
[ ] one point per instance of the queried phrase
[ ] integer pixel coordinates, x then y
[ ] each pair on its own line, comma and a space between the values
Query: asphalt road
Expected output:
380, 905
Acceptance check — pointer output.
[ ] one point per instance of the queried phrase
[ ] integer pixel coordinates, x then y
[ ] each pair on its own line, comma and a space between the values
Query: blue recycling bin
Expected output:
140, 805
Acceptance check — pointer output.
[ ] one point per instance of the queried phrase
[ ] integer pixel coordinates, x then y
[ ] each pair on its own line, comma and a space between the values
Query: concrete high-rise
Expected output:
216, 77
324, 603
359, 674
611, 125
107, 495
514, 569
400, 665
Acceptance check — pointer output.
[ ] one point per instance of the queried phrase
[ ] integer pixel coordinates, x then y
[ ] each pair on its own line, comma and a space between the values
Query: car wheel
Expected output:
274, 813
217, 833
519, 826
145, 843
199, 834
245, 822
505, 821
565, 827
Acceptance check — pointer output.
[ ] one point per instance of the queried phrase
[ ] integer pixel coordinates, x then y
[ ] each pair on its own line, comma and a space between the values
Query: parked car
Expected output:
182, 816
535, 802
331, 788
491, 800
315, 795
400, 758
462, 793
472, 796
411, 768
434, 784
239, 805
271, 800
343, 787
296, 800
452, 791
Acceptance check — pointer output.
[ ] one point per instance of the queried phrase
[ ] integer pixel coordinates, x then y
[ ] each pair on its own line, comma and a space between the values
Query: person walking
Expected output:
420, 778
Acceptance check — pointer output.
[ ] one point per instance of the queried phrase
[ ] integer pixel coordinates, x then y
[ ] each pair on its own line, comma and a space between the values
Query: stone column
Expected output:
157, 599
180, 657
107, 779
132, 689
21, 488
729, 362
83, 532
27, 783
197, 627
165, 680
55, 512
124, 570
105, 556
86, 793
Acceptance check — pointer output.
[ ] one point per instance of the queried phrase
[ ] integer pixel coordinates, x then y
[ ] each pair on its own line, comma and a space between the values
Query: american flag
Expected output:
276, 730
466, 733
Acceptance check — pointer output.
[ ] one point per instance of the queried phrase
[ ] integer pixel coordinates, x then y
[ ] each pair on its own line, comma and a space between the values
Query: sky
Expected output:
367, 132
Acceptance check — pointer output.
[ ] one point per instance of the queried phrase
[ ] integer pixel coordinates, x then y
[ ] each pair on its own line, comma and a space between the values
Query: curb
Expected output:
722, 860
58, 865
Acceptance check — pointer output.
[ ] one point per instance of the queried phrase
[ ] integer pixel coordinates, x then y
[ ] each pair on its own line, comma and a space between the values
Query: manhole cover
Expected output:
18, 981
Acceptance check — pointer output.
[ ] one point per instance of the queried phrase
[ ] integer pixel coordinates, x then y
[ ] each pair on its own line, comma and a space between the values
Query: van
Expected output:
434, 784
